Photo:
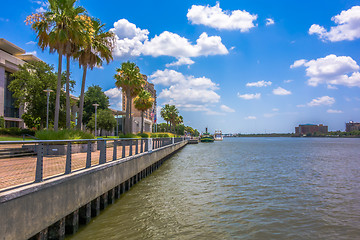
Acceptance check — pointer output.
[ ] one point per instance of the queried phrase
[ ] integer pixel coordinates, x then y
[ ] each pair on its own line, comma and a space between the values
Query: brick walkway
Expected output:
19, 171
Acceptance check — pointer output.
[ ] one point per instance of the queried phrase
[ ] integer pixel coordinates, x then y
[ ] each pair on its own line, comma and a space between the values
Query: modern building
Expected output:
305, 129
352, 126
11, 57
149, 115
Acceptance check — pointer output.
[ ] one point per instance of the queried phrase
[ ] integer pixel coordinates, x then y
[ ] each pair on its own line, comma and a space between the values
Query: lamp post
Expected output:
48, 91
95, 105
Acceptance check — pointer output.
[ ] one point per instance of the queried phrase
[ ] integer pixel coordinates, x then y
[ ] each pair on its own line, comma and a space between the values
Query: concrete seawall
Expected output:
64, 201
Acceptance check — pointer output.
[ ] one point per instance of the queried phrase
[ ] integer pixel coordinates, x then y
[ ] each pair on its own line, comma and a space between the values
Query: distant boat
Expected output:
218, 135
206, 137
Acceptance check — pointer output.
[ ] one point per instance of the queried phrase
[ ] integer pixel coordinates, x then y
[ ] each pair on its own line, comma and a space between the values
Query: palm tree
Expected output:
165, 115
97, 46
143, 102
173, 114
129, 78
54, 29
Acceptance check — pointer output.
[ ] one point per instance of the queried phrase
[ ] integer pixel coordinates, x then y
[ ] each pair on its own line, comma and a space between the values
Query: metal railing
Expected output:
26, 162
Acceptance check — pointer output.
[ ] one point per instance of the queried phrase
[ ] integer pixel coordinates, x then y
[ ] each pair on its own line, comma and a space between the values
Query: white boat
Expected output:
218, 135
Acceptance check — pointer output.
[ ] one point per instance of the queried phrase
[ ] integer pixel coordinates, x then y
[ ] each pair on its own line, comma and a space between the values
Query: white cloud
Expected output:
334, 111
281, 91
269, 115
30, 43
269, 21
275, 109
186, 92
250, 118
298, 63
288, 81
216, 18
249, 96
332, 70
133, 41
300, 105
259, 84
347, 27
115, 97
232, 48
181, 61
325, 100
40, 10
226, 109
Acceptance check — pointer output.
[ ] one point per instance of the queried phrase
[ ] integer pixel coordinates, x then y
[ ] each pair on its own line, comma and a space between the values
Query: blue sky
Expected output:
240, 66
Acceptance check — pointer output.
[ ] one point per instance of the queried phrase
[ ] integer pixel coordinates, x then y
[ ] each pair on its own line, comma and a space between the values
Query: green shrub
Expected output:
27, 131
4, 131
142, 135
153, 135
129, 135
63, 135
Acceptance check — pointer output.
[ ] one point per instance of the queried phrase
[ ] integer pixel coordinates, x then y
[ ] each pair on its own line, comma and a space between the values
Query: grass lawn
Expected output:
13, 138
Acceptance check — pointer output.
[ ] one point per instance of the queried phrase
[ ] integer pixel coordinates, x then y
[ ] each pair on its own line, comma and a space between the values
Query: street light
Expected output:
96, 106
48, 91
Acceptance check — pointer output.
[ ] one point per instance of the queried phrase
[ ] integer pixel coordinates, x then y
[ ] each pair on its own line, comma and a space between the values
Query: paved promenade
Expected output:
19, 171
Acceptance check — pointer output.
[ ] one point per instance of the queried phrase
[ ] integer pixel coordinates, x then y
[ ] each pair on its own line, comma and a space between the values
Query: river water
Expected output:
243, 188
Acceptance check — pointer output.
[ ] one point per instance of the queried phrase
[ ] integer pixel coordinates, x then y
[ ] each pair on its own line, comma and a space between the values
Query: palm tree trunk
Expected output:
131, 119
127, 116
58, 91
81, 107
142, 121
68, 116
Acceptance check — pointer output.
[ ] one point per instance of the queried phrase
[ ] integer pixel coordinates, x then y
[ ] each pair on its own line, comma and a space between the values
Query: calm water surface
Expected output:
243, 188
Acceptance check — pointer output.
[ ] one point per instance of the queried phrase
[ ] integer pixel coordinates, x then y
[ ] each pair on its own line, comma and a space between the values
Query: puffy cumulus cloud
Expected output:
250, 118
115, 97
259, 84
281, 91
249, 96
331, 70
133, 41
269, 21
347, 27
181, 61
216, 18
171, 44
186, 92
298, 63
129, 38
225, 108
324, 100
334, 111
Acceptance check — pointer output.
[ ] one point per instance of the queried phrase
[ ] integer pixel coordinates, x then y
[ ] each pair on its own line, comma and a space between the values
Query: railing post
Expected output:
149, 145
39, 163
102, 158
123, 149
68, 159
137, 146
173, 141
115, 150
130, 145
142, 146
88, 155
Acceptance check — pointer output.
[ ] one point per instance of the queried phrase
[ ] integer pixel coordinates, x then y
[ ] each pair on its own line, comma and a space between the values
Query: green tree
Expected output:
27, 86
96, 47
54, 29
165, 114
143, 102
2, 122
173, 116
129, 78
94, 94
105, 121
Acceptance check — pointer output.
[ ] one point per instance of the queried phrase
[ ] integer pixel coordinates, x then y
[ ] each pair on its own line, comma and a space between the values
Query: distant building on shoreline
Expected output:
352, 126
305, 129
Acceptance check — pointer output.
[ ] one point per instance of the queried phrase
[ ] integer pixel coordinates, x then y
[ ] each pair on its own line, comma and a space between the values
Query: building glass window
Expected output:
9, 104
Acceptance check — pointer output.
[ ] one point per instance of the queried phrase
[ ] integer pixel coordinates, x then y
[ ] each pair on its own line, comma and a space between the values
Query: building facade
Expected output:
149, 115
11, 57
305, 129
352, 126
